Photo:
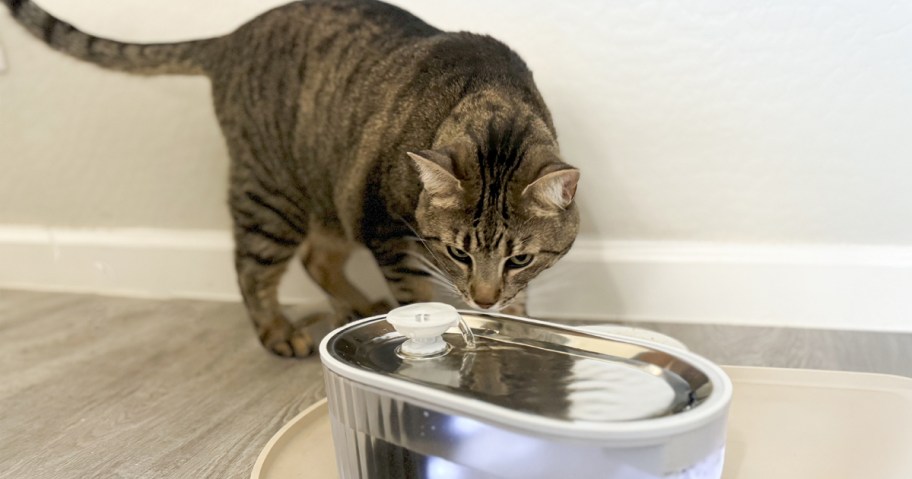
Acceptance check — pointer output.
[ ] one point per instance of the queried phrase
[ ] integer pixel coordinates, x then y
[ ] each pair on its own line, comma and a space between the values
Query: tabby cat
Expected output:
352, 122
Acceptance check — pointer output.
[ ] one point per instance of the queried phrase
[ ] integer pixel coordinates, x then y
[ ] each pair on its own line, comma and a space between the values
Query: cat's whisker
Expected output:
436, 274
444, 282
442, 279
446, 288
416, 238
449, 290
420, 239
424, 261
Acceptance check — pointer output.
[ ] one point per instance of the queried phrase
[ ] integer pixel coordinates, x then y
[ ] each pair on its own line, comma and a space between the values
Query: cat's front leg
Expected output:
259, 272
266, 239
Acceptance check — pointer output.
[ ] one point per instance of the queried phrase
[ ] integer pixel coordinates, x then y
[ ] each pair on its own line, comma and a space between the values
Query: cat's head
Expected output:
494, 218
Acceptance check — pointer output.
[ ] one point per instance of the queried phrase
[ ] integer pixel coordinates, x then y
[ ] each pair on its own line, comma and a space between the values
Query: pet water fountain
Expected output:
431, 392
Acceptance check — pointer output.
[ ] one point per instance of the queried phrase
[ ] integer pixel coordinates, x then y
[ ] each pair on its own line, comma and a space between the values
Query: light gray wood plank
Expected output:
111, 387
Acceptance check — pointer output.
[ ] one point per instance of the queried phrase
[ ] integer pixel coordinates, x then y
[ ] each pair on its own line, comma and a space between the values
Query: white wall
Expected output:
781, 121
770, 125
85, 147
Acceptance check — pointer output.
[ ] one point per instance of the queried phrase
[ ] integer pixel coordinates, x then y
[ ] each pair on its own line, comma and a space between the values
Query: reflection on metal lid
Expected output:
536, 368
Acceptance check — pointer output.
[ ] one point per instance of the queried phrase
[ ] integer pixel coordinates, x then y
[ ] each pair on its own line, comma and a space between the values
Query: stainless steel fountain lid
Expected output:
526, 366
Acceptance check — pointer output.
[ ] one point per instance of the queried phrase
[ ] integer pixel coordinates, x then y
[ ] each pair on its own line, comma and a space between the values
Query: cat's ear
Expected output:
554, 189
436, 171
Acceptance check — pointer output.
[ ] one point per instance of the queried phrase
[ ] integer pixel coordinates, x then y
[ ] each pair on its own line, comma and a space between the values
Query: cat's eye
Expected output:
519, 261
459, 255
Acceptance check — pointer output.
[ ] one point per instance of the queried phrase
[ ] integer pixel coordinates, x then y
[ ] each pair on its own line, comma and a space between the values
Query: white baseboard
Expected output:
131, 262
815, 286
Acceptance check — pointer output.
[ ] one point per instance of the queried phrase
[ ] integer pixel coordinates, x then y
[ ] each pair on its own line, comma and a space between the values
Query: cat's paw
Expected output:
283, 339
373, 309
317, 325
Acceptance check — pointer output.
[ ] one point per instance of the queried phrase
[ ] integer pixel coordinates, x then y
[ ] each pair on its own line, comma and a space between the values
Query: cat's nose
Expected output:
485, 296
484, 305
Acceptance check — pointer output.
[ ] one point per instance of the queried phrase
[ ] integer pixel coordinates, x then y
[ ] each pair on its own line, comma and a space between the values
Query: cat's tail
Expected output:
179, 58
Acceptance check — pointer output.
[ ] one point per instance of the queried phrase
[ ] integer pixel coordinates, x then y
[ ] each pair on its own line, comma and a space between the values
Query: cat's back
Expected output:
314, 26
292, 58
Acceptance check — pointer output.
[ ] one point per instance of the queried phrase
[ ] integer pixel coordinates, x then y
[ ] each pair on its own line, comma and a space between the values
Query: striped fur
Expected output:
319, 102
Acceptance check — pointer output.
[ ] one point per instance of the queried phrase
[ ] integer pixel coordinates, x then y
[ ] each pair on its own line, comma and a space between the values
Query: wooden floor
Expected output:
111, 387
